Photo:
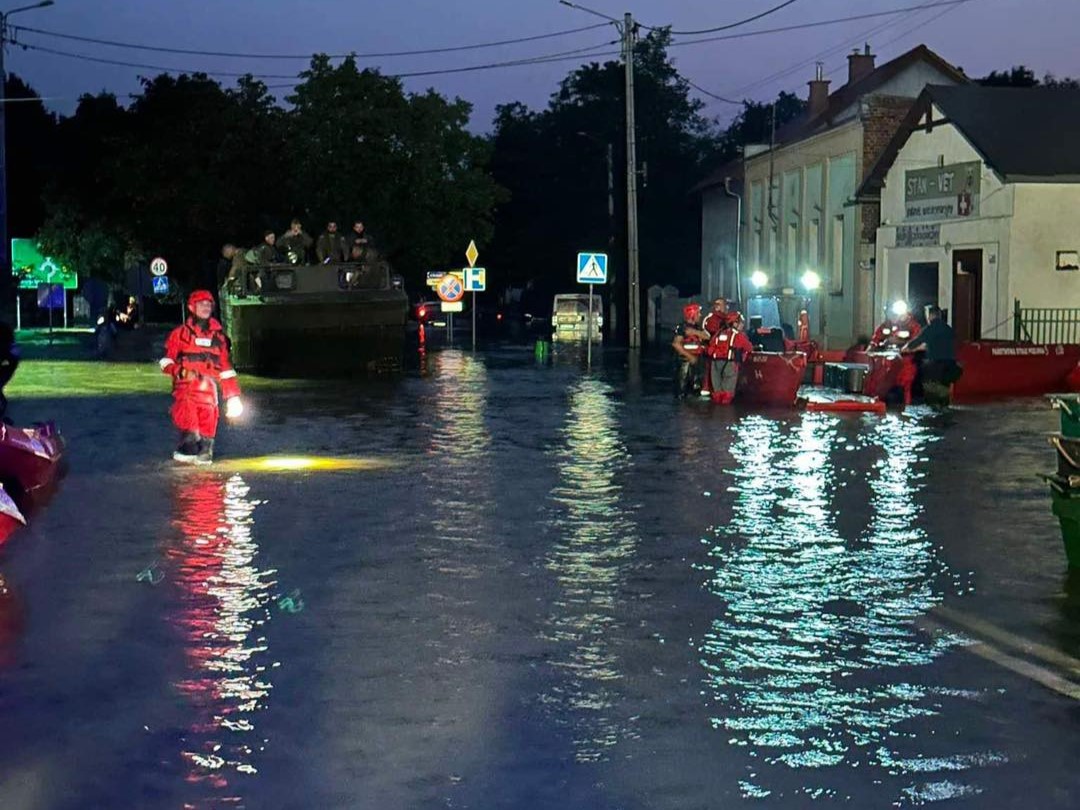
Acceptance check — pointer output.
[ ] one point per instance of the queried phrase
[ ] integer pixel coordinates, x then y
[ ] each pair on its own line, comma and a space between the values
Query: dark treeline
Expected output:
189, 164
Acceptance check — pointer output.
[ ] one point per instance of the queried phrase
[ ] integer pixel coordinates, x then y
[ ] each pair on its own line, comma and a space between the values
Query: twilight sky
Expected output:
977, 35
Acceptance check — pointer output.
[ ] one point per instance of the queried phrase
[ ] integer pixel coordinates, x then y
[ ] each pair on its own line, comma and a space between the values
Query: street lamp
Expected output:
759, 279
5, 243
811, 280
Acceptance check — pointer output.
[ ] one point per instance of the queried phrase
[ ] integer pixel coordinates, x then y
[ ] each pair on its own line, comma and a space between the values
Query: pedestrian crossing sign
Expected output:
592, 268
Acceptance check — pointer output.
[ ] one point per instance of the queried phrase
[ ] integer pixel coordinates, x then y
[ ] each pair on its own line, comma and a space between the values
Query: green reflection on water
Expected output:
805, 664
66, 379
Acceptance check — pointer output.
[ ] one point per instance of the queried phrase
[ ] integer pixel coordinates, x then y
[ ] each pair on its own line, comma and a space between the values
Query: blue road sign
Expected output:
50, 296
592, 268
161, 285
475, 279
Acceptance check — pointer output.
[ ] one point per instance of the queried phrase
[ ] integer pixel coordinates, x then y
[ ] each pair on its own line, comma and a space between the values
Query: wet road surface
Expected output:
528, 587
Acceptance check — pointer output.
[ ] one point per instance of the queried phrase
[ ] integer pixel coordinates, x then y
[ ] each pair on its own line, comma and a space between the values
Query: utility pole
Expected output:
628, 29
634, 269
5, 37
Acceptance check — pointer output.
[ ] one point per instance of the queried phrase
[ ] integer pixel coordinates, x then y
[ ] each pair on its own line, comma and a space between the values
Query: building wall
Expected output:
1046, 220
812, 182
719, 229
989, 231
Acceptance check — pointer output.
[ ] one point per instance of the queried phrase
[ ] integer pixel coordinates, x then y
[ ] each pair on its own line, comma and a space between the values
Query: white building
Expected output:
980, 206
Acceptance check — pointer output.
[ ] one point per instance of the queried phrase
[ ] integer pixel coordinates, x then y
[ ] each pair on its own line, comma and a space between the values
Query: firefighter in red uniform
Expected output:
728, 349
894, 333
197, 358
689, 344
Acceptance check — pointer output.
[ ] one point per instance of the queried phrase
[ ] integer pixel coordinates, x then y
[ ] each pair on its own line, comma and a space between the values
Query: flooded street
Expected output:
498, 584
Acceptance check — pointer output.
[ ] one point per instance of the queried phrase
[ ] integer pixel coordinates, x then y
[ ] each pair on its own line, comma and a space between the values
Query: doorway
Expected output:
922, 287
967, 294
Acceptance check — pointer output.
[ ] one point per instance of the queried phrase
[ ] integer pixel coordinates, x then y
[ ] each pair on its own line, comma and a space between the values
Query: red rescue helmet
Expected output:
691, 312
196, 297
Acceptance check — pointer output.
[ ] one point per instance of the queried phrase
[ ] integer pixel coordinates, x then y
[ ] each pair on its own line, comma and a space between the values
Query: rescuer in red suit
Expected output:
728, 349
688, 343
895, 331
197, 358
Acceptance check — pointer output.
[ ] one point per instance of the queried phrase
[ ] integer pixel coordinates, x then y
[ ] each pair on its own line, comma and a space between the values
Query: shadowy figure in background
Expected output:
9, 361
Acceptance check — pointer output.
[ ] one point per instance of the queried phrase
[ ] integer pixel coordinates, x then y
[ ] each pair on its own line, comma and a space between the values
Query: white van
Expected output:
568, 317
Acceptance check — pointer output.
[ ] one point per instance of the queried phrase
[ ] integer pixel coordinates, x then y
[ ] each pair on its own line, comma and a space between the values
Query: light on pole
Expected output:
5, 242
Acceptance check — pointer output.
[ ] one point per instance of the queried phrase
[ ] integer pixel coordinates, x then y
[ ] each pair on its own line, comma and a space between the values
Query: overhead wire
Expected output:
846, 43
233, 55
726, 27
575, 53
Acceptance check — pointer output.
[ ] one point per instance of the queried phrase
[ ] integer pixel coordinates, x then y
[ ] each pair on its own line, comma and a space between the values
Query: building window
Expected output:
757, 246
836, 277
813, 254
1068, 260
793, 247
772, 249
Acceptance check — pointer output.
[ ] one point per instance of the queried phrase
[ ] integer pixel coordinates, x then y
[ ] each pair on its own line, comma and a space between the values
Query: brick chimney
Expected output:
859, 64
819, 93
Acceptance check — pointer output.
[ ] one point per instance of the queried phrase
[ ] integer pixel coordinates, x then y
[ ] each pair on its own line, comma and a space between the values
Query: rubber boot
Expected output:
206, 452
188, 449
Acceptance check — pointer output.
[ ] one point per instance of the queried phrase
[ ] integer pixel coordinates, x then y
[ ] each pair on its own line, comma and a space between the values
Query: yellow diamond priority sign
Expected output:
472, 254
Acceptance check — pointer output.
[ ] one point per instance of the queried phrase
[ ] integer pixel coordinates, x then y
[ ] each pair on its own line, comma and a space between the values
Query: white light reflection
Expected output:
589, 562
224, 603
804, 665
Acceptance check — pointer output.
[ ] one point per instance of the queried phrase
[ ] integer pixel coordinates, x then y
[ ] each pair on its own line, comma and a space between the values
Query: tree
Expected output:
553, 162
404, 163
1021, 76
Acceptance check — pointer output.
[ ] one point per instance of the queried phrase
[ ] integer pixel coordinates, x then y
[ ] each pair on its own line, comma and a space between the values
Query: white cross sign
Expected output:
592, 268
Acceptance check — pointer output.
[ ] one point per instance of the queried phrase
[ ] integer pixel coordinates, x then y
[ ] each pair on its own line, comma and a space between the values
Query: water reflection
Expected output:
457, 473
11, 622
806, 664
224, 601
597, 541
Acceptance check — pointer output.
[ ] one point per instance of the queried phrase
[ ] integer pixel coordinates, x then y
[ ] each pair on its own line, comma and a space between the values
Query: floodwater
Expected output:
496, 584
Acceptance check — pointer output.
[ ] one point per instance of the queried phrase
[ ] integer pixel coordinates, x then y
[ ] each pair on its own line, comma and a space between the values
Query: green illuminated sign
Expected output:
31, 268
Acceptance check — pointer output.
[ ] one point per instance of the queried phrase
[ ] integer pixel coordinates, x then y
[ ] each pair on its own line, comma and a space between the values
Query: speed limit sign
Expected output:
159, 266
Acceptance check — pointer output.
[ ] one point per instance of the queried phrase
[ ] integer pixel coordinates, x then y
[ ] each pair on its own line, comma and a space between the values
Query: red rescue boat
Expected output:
10, 516
771, 379
1002, 368
30, 461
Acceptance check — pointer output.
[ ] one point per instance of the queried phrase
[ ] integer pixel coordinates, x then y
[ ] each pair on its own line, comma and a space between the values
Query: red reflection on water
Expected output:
11, 622
223, 602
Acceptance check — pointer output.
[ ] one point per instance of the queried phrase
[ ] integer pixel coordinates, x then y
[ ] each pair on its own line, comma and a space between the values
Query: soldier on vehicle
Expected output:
331, 247
295, 244
267, 252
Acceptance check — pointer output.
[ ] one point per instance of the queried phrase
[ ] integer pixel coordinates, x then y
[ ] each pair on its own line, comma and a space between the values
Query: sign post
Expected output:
591, 270
471, 255
450, 290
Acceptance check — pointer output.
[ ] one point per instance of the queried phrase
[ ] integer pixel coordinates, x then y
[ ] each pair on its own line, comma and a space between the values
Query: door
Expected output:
967, 294
922, 287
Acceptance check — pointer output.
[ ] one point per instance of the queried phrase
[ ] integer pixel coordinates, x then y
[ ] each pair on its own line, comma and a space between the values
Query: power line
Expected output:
821, 23
554, 57
387, 54
727, 27
711, 94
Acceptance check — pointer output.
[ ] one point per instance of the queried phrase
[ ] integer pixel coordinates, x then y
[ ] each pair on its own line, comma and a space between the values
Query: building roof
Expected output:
807, 125
848, 94
1025, 134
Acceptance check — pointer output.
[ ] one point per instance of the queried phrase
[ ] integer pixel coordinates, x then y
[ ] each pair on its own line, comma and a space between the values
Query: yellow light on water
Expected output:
278, 464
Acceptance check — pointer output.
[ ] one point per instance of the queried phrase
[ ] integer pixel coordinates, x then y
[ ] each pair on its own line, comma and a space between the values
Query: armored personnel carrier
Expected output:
323, 320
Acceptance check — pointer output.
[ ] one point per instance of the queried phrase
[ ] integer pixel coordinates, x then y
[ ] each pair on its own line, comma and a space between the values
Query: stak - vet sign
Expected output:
943, 192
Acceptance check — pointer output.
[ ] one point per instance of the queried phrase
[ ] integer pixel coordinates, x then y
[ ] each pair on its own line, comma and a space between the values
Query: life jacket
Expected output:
194, 354
724, 346
690, 343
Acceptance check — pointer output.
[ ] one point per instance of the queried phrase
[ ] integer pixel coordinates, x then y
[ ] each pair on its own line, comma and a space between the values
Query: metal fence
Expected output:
1046, 324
